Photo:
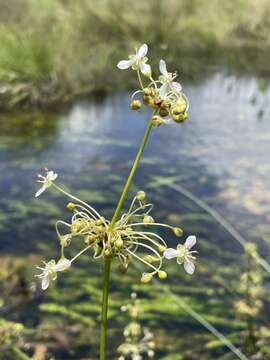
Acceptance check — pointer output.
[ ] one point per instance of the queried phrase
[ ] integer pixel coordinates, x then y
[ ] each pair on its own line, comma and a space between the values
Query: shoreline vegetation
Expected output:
60, 50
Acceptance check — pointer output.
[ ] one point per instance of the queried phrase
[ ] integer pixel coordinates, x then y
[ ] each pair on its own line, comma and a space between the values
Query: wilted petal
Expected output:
171, 253
163, 67
124, 64
62, 265
145, 69
142, 50
189, 266
190, 241
176, 86
163, 90
41, 190
45, 282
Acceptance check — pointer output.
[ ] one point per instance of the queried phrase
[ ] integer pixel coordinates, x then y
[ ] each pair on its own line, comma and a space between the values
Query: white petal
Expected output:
52, 175
142, 51
171, 253
124, 64
41, 190
163, 91
163, 67
189, 266
176, 86
45, 282
145, 69
62, 265
190, 241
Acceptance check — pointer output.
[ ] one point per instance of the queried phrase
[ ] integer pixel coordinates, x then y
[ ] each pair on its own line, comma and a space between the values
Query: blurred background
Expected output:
64, 105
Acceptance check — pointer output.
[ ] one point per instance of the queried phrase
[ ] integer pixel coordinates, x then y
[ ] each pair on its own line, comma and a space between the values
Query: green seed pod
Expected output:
146, 278
107, 252
180, 118
157, 121
141, 195
147, 91
135, 104
177, 231
163, 112
162, 275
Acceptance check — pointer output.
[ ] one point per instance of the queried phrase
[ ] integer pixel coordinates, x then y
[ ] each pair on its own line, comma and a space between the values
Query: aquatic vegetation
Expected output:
124, 235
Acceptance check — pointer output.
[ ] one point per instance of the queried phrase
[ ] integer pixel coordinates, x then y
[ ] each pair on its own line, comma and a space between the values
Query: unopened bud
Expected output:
162, 274
71, 206
141, 195
135, 104
146, 278
101, 221
148, 219
177, 231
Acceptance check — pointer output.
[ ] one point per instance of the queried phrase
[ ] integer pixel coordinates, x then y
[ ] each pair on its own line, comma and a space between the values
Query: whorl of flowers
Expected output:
164, 95
132, 237
139, 341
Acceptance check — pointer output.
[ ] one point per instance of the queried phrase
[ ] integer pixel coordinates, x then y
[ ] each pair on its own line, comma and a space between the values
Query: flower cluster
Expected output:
139, 342
163, 95
131, 238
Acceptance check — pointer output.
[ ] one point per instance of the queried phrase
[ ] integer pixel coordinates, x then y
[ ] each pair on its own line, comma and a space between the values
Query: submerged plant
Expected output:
131, 235
139, 341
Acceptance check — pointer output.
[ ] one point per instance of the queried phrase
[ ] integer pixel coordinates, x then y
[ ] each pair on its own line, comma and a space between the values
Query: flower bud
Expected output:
135, 104
180, 106
157, 121
148, 219
119, 243
141, 195
133, 295
71, 206
177, 231
146, 278
162, 274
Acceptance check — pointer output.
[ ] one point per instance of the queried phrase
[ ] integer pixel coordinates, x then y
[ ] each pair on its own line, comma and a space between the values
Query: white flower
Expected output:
167, 81
137, 61
46, 181
49, 272
183, 254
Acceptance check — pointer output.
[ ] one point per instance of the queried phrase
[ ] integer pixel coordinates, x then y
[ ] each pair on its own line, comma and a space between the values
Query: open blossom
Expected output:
46, 181
183, 254
137, 61
49, 272
167, 80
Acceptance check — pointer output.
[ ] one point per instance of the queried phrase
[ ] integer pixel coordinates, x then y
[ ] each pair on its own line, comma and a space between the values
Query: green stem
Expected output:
107, 262
19, 355
132, 172
104, 311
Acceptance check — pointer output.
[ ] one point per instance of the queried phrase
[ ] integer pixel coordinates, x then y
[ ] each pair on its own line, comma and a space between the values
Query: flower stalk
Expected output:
107, 261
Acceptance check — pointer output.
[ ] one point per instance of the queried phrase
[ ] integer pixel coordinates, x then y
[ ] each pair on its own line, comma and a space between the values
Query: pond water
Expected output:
221, 155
